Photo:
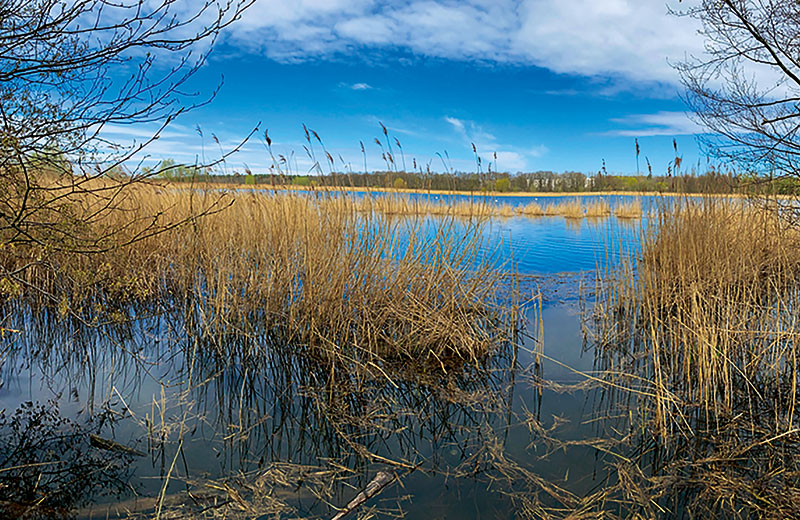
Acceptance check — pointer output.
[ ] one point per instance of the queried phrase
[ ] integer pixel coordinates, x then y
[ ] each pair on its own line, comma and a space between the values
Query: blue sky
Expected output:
546, 85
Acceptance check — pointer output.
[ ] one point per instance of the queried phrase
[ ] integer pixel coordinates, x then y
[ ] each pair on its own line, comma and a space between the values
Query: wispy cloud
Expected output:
660, 123
624, 39
140, 132
473, 134
361, 86
457, 124
538, 151
509, 157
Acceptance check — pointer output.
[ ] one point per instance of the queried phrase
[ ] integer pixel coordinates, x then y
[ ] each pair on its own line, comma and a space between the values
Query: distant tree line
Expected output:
710, 181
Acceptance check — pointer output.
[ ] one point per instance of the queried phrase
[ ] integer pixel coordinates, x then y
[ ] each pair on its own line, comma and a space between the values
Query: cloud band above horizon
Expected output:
623, 39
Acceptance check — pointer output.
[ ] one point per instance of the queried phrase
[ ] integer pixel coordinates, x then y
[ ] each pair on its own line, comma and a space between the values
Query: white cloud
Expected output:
660, 123
361, 86
538, 151
456, 123
508, 157
511, 161
633, 39
630, 39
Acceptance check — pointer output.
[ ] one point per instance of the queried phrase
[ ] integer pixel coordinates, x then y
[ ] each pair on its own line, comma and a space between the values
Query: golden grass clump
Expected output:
311, 271
598, 209
632, 209
567, 209
479, 207
412, 207
394, 205
469, 208
506, 210
532, 209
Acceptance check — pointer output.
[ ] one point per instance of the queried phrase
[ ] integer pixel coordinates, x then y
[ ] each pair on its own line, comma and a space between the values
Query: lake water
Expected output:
464, 445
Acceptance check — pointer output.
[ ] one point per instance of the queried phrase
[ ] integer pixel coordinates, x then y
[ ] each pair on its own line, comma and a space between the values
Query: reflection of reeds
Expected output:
316, 429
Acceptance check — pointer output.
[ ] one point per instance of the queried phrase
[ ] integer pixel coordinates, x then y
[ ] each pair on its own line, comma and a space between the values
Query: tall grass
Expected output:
712, 298
310, 271
568, 209
629, 210
532, 209
699, 336
598, 209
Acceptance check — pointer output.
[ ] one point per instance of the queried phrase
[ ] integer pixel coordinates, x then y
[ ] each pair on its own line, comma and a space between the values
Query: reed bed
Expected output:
398, 205
532, 209
597, 209
313, 272
571, 209
712, 296
629, 210
697, 342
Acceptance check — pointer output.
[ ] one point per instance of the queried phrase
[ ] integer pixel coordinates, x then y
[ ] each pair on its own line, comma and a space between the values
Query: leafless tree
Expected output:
70, 68
745, 89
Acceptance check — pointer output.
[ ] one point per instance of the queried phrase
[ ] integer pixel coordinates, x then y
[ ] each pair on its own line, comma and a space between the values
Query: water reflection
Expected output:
50, 465
211, 407
238, 426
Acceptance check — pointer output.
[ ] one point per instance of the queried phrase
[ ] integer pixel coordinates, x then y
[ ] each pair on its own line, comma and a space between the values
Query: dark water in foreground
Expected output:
465, 445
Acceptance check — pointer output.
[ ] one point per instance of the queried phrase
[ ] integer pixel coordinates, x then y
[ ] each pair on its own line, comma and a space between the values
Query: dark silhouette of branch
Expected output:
745, 89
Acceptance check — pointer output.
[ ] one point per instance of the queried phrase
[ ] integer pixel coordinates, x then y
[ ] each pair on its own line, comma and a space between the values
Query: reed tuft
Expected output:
629, 210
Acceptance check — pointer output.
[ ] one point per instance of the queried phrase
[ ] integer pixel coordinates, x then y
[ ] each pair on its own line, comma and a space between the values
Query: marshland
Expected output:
207, 316
270, 352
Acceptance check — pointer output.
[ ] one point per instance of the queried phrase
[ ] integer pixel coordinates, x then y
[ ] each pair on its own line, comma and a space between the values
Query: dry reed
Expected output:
399, 205
598, 209
568, 209
632, 209
532, 209
309, 271
698, 343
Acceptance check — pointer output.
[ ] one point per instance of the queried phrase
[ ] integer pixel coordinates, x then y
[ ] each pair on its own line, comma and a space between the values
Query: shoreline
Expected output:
479, 194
